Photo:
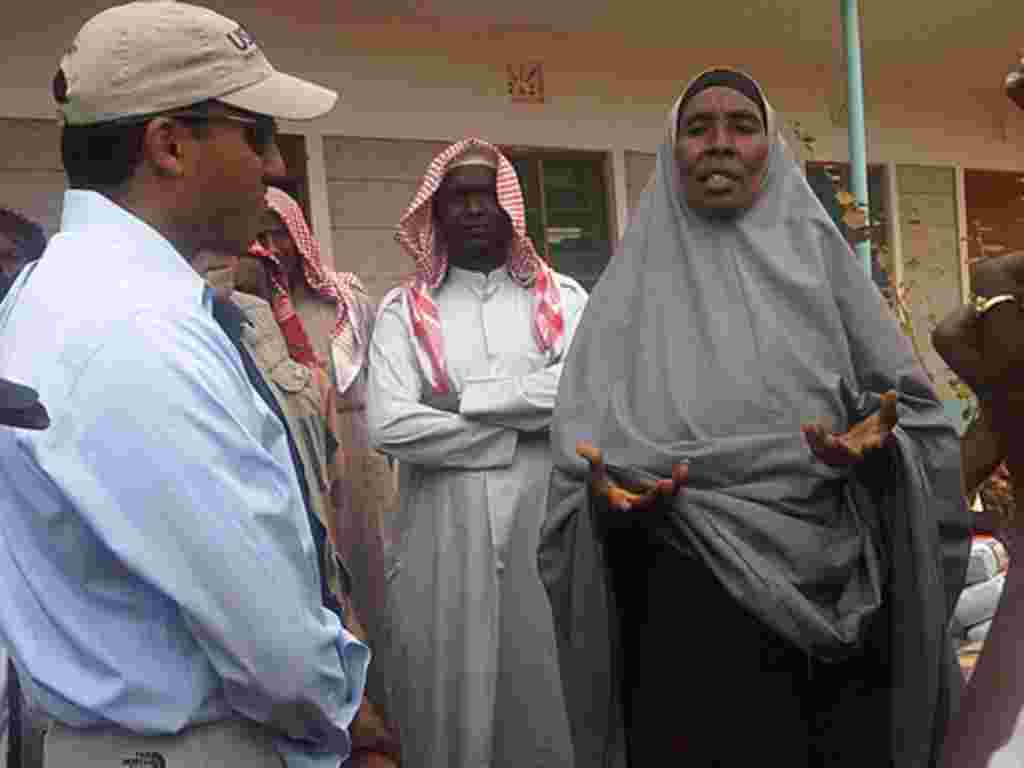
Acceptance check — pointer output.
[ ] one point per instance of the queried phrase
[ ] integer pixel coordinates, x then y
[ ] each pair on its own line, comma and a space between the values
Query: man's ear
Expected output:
164, 146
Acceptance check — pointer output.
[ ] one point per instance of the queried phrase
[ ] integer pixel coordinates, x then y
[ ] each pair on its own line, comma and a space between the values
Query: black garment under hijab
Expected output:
727, 78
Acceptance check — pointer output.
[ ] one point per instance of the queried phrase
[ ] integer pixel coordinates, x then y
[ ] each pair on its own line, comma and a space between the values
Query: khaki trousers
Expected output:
215, 745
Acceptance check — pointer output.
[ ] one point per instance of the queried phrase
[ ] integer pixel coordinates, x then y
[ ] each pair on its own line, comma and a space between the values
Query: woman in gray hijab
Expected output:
732, 582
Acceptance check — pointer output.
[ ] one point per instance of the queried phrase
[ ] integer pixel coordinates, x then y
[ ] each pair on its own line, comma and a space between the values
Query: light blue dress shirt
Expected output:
156, 557
4, 713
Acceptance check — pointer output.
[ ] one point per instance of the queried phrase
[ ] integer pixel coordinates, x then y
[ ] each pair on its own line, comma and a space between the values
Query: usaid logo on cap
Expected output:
241, 39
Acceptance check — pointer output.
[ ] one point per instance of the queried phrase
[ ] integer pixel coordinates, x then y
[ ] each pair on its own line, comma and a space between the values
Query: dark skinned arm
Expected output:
987, 352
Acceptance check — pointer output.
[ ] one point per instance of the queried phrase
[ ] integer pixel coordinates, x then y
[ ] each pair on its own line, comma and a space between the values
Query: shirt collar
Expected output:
478, 279
230, 317
86, 211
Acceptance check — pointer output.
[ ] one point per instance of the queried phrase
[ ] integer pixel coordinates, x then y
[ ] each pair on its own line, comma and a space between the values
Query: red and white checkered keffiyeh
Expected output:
348, 336
417, 236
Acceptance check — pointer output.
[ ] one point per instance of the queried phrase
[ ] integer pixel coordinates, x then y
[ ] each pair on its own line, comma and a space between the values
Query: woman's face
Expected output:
722, 152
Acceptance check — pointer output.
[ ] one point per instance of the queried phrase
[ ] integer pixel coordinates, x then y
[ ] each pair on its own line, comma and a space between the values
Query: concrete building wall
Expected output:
370, 183
407, 85
930, 233
639, 167
31, 175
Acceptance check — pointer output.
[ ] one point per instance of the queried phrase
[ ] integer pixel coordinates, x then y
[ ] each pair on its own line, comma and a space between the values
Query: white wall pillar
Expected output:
619, 194
961, 233
319, 205
895, 226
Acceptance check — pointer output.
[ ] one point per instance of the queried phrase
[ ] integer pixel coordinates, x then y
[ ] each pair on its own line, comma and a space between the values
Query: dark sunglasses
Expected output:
260, 130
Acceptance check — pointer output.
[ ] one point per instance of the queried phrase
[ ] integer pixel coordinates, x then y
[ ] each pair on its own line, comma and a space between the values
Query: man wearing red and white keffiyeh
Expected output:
464, 368
326, 318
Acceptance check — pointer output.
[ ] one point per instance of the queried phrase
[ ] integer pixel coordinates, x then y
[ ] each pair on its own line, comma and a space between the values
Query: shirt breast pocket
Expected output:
303, 408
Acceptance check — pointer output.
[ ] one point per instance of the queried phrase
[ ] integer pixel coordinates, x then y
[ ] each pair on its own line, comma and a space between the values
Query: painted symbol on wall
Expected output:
526, 83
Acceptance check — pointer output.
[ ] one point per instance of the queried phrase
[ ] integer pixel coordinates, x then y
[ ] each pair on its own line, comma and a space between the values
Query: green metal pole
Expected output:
855, 99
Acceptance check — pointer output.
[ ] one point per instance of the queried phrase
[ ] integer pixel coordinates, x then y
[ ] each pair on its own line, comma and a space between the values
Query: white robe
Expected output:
477, 681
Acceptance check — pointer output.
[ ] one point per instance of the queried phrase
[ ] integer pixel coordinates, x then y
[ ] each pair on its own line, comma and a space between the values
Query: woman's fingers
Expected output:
834, 450
644, 491
598, 472
817, 439
587, 451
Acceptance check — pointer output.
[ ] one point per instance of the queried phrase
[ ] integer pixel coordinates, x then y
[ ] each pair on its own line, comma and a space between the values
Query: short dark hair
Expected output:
29, 238
103, 156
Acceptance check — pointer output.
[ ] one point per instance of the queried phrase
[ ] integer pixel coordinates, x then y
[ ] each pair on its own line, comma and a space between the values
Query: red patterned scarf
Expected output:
348, 336
417, 236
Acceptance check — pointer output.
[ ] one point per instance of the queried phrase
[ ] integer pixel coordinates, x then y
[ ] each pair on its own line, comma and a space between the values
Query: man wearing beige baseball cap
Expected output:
162, 595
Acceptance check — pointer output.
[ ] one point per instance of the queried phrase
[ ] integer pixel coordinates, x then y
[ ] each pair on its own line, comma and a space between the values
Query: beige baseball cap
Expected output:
155, 55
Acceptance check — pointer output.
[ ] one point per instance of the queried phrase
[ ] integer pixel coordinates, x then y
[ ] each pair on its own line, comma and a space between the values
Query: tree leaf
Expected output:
855, 218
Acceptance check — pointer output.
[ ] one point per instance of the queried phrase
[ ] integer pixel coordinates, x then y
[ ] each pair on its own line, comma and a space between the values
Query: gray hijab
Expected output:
711, 342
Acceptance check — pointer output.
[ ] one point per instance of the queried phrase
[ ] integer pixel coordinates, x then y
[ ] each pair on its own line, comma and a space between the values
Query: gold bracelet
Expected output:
982, 392
983, 305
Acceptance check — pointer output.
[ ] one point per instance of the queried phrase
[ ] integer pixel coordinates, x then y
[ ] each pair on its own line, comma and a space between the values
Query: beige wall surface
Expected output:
31, 176
932, 94
415, 79
639, 167
931, 265
370, 183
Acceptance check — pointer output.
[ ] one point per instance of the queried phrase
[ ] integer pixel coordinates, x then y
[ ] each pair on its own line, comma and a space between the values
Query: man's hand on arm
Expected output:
374, 742
403, 423
524, 402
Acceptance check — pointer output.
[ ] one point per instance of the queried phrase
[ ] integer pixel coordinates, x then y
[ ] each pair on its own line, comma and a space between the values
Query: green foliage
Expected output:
859, 227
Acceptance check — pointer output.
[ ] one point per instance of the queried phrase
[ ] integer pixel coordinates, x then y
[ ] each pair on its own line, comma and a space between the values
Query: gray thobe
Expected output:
477, 680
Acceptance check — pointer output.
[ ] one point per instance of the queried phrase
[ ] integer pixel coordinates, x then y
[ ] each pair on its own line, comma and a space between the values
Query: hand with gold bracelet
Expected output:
983, 344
